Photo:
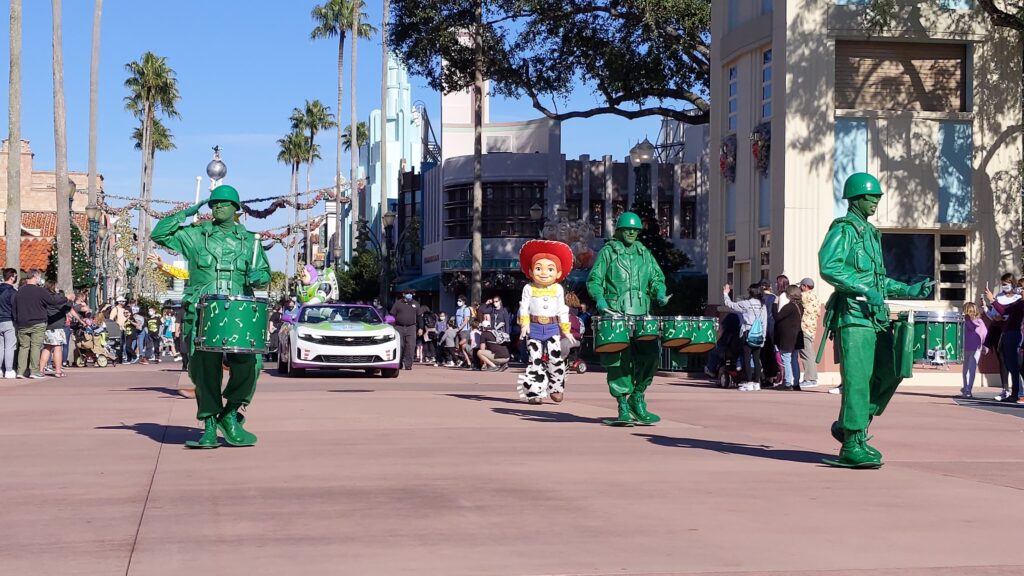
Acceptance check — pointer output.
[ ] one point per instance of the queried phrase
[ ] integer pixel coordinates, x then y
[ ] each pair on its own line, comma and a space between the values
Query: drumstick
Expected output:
255, 246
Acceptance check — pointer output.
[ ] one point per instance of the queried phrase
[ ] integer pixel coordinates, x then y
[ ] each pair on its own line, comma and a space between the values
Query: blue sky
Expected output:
242, 65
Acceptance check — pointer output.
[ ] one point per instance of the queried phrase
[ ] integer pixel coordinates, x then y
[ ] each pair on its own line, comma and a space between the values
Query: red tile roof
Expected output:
35, 252
46, 222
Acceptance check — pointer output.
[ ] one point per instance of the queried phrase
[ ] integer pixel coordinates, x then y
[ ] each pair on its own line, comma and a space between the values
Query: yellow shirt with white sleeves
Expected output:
546, 303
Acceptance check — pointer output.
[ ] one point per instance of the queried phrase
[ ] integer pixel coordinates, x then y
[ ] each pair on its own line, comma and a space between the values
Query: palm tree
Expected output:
312, 119
13, 221
333, 19
294, 151
353, 190
160, 138
60, 139
362, 136
152, 88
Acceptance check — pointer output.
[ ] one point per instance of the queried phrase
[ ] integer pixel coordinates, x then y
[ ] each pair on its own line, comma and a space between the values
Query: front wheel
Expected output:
389, 373
101, 361
80, 361
581, 368
293, 371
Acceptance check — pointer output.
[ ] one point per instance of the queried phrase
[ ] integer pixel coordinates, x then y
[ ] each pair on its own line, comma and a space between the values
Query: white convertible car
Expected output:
337, 336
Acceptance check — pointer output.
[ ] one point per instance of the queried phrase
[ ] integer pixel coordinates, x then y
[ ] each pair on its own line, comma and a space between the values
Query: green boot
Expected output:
209, 437
853, 454
232, 429
625, 418
837, 433
638, 409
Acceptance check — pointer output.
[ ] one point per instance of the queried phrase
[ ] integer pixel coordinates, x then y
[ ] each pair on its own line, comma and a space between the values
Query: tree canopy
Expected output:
639, 57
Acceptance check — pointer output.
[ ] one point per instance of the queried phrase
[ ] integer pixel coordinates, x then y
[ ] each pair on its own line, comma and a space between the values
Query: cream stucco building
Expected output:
931, 106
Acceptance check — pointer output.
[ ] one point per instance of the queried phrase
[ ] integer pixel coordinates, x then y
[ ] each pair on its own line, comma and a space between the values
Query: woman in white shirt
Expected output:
753, 313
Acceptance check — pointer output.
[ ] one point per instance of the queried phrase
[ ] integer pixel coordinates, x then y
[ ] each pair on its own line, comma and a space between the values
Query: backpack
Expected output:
755, 336
501, 337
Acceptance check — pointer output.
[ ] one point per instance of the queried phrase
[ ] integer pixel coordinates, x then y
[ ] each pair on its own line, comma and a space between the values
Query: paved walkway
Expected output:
445, 472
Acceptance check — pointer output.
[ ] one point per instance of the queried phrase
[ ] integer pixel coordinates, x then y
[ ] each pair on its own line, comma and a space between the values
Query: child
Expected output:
451, 335
544, 318
975, 332
168, 334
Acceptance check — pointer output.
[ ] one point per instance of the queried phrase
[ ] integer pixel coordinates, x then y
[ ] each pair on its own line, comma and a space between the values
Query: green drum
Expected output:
704, 336
647, 328
611, 333
677, 331
235, 324
937, 330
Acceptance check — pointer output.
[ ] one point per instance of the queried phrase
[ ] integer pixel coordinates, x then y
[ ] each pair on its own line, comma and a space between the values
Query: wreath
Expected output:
761, 146
727, 158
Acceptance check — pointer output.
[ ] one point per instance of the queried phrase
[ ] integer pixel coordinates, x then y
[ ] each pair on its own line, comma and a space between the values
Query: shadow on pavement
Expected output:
352, 391
172, 392
482, 398
545, 416
159, 432
757, 451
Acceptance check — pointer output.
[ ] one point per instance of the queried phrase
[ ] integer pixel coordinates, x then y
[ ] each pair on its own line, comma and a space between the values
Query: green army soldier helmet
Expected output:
224, 192
628, 220
861, 184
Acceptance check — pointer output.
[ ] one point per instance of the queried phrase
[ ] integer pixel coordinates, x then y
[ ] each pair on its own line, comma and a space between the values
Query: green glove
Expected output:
194, 209
602, 306
256, 278
922, 289
661, 298
874, 298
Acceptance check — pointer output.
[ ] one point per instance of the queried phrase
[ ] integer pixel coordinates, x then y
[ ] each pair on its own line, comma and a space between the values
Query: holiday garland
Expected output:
727, 158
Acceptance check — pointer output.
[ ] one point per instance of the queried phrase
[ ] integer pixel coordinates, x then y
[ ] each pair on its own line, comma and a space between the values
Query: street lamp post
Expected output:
640, 156
537, 215
102, 267
93, 212
216, 169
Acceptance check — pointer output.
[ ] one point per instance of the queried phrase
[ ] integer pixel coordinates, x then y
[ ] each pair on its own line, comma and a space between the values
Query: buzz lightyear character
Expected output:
317, 287
544, 319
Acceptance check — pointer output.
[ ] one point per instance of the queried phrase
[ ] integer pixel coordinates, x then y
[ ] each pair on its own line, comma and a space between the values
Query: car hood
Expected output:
360, 328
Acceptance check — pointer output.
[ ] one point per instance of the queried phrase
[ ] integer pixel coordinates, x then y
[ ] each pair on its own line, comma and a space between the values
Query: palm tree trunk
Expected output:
60, 137
146, 279
309, 170
353, 190
140, 259
339, 222
478, 191
13, 217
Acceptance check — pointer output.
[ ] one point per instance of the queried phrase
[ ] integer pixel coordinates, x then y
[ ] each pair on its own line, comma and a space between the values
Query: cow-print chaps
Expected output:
542, 378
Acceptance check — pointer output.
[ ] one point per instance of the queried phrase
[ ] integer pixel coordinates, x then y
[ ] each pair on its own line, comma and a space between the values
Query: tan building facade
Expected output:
931, 107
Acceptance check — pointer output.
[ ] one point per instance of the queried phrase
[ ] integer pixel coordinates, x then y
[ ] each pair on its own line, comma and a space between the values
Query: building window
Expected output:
730, 261
922, 76
730, 208
597, 218
766, 255
665, 218
734, 16
851, 156
766, 84
954, 174
733, 115
957, 4
506, 209
688, 218
499, 144
911, 258
764, 202
766, 6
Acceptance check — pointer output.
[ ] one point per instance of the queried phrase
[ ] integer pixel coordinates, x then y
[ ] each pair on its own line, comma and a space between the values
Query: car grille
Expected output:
349, 340
347, 359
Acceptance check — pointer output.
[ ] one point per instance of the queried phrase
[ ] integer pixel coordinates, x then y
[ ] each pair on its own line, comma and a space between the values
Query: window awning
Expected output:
428, 283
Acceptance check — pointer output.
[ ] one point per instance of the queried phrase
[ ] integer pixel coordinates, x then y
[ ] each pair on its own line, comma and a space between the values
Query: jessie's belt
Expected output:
544, 319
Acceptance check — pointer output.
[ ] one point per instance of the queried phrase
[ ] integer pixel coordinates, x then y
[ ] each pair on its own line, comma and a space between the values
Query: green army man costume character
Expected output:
622, 282
223, 258
851, 261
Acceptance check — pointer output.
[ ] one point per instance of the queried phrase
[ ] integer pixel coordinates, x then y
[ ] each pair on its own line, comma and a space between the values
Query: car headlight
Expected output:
310, 337
384, 337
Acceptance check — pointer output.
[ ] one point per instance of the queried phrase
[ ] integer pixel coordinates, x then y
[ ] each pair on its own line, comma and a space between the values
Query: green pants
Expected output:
868, 369
30, 345
632, 368
206, 371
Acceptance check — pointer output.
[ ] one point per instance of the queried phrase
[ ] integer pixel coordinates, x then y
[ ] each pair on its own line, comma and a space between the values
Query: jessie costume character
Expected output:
544, 318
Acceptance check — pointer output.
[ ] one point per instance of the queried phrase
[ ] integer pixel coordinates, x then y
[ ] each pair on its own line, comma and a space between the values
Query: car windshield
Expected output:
317, 314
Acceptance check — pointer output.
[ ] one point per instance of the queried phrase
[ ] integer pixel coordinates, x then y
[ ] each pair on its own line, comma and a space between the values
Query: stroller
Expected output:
728, 353
92, 347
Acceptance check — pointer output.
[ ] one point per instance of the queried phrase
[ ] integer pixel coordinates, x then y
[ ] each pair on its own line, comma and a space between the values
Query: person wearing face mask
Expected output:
624, 280
223, 258
441, 355
994, 338
499, 316
1010, 307
407, 314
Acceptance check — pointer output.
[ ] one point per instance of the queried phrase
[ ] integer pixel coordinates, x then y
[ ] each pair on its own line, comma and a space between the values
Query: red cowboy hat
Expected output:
558, 251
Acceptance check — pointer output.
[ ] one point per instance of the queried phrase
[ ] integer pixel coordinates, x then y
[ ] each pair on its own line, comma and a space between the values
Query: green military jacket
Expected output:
626, 278
220, 261
851, 260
